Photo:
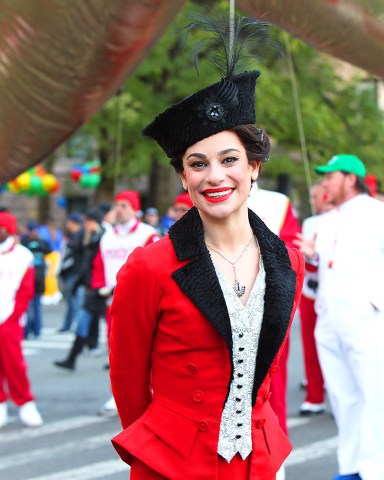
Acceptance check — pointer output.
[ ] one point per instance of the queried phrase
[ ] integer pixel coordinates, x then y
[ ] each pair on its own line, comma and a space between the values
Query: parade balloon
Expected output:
24, 181
90, 180
352, 30
88, 174
35, 181
36, 184
49, 182
61, 202
13, 187
75, 175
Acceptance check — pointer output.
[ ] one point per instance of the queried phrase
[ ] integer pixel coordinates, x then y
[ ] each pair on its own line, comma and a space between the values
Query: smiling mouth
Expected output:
218, 194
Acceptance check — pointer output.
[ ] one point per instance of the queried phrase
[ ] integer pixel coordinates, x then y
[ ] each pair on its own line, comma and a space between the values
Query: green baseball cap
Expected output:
343, 163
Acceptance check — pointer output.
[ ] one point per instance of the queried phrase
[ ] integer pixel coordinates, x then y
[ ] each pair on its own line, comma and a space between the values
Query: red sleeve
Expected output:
297, 262
310, 267
98, 274
289, 227
24, 295
134, 314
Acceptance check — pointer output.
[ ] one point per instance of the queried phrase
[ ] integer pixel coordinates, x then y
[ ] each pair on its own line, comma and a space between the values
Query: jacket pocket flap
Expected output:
177, 431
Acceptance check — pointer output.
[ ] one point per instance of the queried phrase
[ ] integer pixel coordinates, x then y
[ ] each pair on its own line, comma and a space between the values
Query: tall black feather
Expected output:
230, 45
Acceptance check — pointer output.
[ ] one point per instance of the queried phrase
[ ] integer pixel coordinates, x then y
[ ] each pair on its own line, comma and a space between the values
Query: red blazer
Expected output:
171, 353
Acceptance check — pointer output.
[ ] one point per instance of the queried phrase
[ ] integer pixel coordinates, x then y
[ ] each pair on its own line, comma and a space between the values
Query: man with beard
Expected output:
349, 252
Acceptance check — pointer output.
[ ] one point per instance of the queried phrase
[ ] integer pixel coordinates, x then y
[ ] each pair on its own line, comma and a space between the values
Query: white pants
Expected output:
351, 354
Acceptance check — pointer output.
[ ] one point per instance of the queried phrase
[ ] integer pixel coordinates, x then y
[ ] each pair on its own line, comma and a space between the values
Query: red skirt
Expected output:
237, 469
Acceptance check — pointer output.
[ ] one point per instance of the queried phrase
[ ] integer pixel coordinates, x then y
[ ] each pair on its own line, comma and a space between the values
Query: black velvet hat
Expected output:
218, 107
221, 106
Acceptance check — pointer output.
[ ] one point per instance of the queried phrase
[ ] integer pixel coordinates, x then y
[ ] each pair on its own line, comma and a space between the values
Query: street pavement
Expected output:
74, 442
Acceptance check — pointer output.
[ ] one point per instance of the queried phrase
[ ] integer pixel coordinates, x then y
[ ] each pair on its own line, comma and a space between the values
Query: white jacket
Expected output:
350, 245
15, 260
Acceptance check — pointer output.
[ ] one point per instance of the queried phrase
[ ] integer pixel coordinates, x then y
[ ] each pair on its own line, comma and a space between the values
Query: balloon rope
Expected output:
231, 26
119, 128
299, 118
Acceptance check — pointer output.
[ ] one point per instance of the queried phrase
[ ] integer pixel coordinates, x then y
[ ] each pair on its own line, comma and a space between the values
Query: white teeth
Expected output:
218, 194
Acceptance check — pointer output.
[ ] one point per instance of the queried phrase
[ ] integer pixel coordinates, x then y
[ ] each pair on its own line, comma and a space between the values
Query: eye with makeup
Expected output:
197, 164
230, 160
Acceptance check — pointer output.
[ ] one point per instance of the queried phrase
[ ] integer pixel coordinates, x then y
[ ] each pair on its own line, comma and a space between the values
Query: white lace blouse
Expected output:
235, 427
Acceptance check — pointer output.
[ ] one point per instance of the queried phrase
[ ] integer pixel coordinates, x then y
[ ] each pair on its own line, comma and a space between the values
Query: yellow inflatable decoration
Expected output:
52, 294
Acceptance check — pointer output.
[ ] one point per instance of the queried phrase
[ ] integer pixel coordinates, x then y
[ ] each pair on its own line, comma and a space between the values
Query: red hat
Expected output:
8, 222
371, 181
184, 198
130, 196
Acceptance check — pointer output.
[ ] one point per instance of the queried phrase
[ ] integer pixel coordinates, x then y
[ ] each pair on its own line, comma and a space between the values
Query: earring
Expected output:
253, 184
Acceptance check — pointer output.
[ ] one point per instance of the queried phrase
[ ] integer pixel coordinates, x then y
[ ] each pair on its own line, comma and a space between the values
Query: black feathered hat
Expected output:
219, 107
223, 105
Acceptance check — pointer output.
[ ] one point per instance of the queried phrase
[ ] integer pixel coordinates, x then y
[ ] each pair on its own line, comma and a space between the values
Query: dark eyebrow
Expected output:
223, 152
198, 155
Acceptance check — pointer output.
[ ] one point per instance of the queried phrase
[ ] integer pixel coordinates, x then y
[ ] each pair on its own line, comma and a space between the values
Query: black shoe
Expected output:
70, 361
65, 364
62, 330
303, 384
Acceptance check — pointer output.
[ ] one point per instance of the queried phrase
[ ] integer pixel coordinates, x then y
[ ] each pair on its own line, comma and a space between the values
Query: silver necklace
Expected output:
238, 288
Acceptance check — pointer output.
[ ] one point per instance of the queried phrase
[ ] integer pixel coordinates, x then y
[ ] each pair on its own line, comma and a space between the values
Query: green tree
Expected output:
339, 115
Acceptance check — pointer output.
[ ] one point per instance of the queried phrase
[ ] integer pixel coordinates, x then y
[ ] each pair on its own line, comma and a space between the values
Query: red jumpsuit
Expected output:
17, 287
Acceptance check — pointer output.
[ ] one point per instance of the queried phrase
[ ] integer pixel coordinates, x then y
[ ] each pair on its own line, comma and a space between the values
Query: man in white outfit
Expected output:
115, 247
349, 251
314, 395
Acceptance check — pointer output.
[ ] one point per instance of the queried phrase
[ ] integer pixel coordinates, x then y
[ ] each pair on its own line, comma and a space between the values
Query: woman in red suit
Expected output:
199, 318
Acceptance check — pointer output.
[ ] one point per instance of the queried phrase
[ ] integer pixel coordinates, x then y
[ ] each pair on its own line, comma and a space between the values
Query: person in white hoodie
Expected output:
116, 244
349, 252
17, 290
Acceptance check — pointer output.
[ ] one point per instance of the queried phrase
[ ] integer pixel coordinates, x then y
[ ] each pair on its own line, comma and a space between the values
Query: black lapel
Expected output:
198, 280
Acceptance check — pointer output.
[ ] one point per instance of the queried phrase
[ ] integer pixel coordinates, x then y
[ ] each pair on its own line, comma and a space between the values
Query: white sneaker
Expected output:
308, 408
29, 415
3, 414
280, 475
96, 352
109, 409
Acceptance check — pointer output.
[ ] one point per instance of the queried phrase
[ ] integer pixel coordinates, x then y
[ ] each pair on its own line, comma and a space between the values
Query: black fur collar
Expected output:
198, 280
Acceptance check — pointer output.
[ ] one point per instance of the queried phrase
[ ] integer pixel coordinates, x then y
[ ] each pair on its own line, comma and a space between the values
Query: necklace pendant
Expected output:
239, 289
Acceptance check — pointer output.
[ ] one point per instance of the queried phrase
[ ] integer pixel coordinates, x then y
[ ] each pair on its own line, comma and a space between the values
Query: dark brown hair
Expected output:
255, 141
360, 184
